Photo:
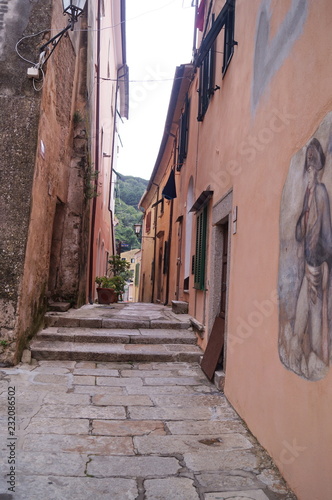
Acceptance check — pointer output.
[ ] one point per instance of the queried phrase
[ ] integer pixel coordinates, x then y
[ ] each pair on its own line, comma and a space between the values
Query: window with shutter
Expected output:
206, 83
184, 134
137, 266
229, 41
199, 265
148, 222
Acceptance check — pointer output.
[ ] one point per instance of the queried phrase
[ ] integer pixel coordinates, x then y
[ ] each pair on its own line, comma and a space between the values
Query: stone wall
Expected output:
38, 167
19, 116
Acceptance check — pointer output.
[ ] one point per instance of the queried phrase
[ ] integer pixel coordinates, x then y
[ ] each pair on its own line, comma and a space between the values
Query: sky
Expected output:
159, 37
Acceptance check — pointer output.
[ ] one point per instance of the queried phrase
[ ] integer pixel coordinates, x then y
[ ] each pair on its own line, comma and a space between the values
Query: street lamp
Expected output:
74, 8
137, 228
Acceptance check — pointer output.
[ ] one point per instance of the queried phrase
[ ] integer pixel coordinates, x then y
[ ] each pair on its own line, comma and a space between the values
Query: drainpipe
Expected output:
155, 244
94, 202
112, 161
170, 230
195, 29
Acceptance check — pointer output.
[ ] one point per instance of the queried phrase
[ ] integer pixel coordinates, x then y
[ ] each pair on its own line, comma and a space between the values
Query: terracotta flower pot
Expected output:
107, 295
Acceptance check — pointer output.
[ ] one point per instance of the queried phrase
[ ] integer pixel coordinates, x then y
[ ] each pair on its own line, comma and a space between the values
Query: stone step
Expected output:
88, 351
59, 306
58, 320
117, 336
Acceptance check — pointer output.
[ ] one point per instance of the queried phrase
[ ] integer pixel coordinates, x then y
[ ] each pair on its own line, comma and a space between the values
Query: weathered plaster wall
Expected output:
40, 172
19, 115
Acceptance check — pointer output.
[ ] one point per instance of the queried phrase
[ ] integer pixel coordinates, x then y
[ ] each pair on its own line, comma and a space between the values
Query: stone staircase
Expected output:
132, 332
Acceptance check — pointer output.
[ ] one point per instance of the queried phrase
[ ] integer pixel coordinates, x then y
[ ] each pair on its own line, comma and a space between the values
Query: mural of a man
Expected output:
314, 231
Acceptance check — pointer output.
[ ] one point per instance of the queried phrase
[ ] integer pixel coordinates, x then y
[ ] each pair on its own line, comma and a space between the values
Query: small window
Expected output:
107, 257
184, 134
161, 206
102, 9
229, 41
199, 264
148, 222
166, 257
206, 83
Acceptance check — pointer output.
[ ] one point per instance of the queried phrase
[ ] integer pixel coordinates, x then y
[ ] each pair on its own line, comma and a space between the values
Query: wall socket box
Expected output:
33, 72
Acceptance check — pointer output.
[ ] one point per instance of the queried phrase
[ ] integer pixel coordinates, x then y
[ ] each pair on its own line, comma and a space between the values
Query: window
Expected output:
184, 134
199, 264
148, 222
107, 257
166, 257
205, 56
229, 41
102, 9
206, 83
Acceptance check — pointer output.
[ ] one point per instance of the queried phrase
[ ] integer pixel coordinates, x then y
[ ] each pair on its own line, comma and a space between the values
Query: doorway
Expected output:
56, 249
178, 259
215, 355
223, 294
160, 253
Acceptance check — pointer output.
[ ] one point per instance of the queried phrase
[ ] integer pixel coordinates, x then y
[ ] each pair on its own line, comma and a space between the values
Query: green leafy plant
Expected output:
77, 118
118, 267
120, 273
4, 343
91, 183
104, 281
117, 283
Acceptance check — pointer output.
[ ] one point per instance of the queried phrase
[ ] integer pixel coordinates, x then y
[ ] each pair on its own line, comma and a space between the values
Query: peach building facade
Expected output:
108, 99
237, 221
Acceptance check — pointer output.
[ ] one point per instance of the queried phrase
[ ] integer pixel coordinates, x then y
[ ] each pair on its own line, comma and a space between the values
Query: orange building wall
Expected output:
252, 128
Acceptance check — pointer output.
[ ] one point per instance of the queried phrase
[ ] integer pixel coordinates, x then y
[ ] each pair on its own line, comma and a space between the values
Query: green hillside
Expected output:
130, 189
128, 192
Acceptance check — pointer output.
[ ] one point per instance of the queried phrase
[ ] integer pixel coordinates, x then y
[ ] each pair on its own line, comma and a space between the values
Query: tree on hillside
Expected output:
130, 189
124, 230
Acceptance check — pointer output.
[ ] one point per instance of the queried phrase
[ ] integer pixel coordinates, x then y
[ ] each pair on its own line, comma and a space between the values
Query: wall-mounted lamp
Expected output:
74, 8
137, 228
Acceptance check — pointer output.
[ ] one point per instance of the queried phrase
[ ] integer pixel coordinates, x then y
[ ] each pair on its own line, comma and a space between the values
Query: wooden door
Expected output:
214, 352
160, 268
178, 260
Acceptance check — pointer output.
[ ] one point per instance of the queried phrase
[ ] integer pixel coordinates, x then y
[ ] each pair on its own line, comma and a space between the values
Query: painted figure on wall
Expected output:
305, 287
314, 229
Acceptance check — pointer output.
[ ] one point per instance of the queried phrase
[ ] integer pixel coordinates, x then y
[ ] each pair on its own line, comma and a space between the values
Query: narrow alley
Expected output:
147, 428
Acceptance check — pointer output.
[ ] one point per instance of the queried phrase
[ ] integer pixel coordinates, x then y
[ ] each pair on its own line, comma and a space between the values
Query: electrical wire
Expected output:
39, 64
144, 81
23, 38
91, 30
42, 81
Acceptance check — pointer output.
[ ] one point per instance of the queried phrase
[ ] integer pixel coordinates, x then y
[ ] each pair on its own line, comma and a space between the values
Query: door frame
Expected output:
221, 214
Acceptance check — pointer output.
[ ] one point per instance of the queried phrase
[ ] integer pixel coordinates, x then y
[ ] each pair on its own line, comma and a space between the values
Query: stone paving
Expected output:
78, 429
126, 431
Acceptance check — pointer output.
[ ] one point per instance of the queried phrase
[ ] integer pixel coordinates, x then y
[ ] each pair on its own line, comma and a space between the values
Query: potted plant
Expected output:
105, 290
111, 287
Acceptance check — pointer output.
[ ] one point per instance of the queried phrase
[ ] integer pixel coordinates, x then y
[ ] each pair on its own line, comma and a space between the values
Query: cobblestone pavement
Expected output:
125, 431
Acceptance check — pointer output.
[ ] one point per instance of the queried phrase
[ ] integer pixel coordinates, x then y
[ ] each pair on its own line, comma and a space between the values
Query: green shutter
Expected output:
199, 274
137, 274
